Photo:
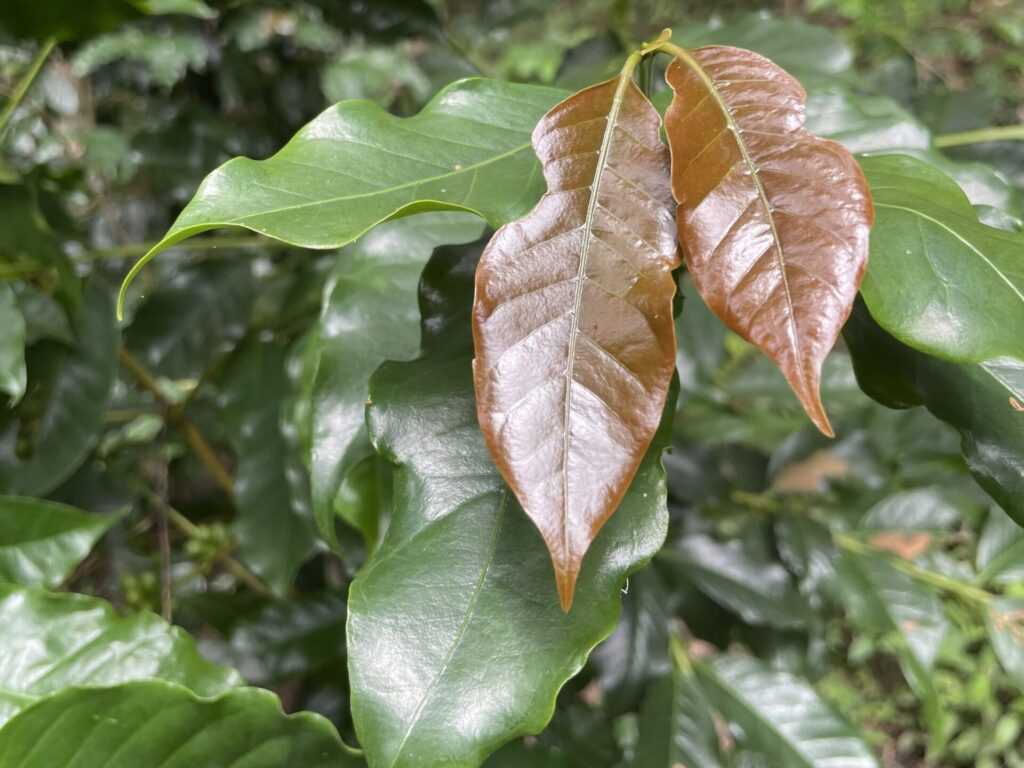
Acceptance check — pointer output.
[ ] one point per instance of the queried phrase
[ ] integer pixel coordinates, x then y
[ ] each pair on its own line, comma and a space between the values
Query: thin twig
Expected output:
175, 417
968, 592
163, 543
190, 529
26, 82
981, 135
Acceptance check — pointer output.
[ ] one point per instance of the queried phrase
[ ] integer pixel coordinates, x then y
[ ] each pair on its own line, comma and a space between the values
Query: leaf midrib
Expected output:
737, 132
625, 79
999, 273
386, 190
741, 700
470, 608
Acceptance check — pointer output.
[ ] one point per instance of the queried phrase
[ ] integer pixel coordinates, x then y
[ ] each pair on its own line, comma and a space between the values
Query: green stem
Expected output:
981, 135
968, 592
680, 657
26, 82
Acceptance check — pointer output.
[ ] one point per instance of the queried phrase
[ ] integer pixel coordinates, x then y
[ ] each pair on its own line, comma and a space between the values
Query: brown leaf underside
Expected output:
773, 221
572, 320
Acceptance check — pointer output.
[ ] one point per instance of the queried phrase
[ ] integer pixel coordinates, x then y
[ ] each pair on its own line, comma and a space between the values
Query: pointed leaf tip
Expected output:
773, 220
572, 320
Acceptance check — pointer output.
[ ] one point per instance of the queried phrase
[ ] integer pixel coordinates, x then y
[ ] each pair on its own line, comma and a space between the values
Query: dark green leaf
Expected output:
369, 315
982, 401
42, 541
53, 429
742, 577
274, 526
675, 725
925, 509
53, 641
781, 716
637, 651
457, 641
791, 43
44, 317
281, 639
12, 346
356, 166
154, 724
189, 320
71, 20
967, 302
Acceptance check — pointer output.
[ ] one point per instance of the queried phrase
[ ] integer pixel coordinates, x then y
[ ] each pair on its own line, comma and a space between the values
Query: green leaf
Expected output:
880, 598
356, 166
154, 724
740, 576
1004, 620
862, 122
675, 725
12, 346
44, 317
42, 541
55, 426
71, 20
185, 323
53, 641
1000, 553
982, 401
274, 526
921, 509
369, 315
637, 651
25, 233
791, 43
967, 302
781, 716
284, 638
457, 641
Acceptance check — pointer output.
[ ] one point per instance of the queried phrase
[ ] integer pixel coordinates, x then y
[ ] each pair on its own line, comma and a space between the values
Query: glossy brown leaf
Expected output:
773, 221
572, 320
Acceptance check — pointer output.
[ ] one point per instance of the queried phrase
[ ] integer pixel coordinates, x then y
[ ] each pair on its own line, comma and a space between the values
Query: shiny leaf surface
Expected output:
193, 317
984, 402
356, 166
572, 322
773, 221
967, 304
676, 727
274, 526
781, 716
740, 576
155, 724
54, 641
369, 314
69, 389
284, 638
42, 541
457, 642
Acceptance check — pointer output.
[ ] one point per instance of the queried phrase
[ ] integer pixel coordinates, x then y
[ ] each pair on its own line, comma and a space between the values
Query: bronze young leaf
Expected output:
572, 320
773, 221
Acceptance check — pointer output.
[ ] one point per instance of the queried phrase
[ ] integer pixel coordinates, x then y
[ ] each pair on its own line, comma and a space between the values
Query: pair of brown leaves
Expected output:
572, 322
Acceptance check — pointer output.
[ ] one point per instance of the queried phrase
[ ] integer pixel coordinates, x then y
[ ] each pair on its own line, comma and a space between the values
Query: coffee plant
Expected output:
551, 399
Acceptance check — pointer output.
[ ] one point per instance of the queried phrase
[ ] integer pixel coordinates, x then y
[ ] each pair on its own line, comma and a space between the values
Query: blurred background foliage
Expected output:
870, 567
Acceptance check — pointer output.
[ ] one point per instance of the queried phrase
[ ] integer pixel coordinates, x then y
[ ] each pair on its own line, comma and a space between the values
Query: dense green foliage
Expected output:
278, 450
